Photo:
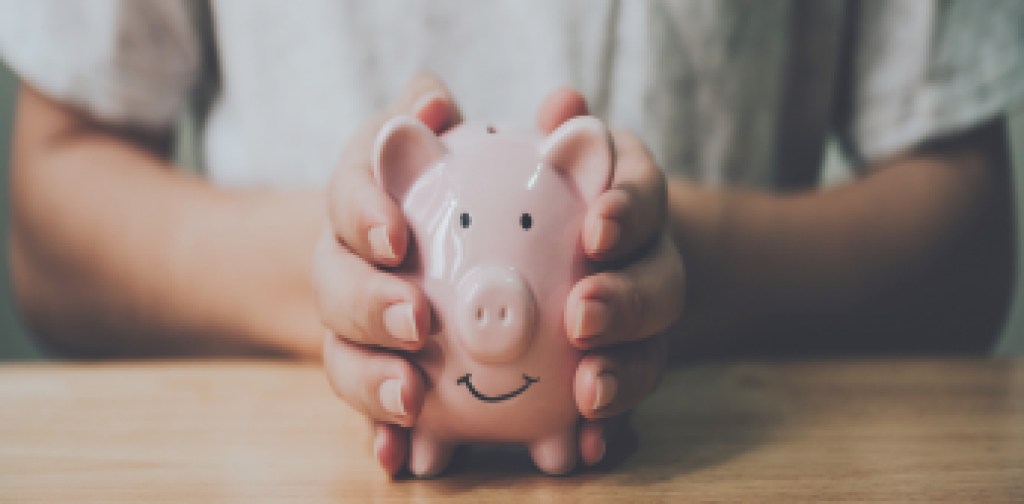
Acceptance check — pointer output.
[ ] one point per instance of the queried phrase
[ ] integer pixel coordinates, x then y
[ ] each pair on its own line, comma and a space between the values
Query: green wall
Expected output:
14, 343
1013, 334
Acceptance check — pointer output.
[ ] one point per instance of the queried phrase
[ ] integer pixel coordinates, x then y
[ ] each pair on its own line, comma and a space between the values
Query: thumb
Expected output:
427, 98
559, 106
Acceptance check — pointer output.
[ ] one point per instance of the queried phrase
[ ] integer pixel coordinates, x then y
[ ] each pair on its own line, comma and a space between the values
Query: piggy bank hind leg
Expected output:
556, 453
428, 455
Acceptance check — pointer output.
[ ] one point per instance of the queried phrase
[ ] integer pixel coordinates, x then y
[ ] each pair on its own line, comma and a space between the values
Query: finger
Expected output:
643, 299
611, 383
592, 441
363, 216
561, 105
629, 215
390, 446
366, 305
383, 386
601, 439
427, 97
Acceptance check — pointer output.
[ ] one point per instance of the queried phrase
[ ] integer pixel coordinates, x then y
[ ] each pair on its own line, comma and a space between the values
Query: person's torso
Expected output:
736, 92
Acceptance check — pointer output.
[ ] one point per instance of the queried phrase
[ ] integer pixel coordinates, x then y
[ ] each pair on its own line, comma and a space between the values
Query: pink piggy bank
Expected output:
496, 215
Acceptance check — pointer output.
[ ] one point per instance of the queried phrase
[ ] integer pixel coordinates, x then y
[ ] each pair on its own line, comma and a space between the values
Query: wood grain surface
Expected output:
228, 431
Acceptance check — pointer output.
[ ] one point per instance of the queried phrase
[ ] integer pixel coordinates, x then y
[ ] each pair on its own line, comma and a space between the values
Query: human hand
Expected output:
389, 389
616, 315
369, 312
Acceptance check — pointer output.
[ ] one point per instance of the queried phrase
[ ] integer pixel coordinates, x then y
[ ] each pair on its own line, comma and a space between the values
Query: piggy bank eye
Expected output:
464, 220
526, 221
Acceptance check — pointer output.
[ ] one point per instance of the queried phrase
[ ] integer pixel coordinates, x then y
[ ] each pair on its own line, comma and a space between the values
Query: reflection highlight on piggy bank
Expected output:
496, 214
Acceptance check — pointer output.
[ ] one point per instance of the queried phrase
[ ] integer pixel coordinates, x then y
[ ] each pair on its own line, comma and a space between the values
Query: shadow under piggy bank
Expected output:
699, 417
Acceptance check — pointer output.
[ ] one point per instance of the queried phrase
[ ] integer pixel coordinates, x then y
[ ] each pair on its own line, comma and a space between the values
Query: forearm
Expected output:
115, 252
916, 255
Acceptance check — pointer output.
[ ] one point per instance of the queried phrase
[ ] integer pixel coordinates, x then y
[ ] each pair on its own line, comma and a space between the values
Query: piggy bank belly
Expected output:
517, 402
527, 400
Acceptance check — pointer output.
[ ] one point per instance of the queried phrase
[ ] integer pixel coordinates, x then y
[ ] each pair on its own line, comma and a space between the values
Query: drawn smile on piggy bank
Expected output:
467, 378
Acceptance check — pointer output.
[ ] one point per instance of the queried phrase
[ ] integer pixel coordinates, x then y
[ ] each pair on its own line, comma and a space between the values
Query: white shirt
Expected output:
728, 92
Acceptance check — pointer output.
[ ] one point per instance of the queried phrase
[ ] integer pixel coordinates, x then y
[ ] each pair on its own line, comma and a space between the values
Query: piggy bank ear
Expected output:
581, 149
405, 149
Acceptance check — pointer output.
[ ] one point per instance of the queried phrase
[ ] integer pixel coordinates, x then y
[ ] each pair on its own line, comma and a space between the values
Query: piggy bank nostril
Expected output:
503, 315
480, 315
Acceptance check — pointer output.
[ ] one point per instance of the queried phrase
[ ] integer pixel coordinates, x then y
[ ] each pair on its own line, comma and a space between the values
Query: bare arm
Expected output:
915, 256
114, 252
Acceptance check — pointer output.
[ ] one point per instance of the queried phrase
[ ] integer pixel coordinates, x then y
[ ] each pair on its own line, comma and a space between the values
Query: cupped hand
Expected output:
618, 314
370, 313
614, 315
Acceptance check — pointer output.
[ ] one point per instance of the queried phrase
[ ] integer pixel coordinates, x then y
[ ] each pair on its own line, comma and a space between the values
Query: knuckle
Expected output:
345, 226
343, 369
637, 305
633, 307
369, 397
331, 304
643, 369
349, 315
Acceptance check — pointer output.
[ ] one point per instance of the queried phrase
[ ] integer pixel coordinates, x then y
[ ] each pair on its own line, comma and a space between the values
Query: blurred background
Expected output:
16, 343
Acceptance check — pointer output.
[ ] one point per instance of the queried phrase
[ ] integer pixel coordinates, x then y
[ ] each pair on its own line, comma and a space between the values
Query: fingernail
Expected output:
400, 322
608, 233
391, 396
594, 316
424, 100
380, 243
607, 386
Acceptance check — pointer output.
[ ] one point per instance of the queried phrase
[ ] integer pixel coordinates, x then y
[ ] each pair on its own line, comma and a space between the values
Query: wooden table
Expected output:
893, 431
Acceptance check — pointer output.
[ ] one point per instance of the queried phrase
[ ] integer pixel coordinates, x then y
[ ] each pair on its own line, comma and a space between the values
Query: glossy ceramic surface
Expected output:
496, 214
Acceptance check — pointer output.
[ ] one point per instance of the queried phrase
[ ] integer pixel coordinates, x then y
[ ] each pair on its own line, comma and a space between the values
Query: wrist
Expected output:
698, 222
242, 269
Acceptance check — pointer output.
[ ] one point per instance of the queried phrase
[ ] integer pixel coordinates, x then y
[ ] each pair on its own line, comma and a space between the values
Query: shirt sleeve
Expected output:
126, 62
926, 68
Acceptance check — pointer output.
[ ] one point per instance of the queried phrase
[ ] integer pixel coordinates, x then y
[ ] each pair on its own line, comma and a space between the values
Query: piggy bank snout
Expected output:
497, 314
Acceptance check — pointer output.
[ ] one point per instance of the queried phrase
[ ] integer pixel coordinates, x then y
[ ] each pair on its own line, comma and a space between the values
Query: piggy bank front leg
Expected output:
428, 455
556, 453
